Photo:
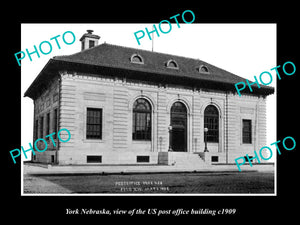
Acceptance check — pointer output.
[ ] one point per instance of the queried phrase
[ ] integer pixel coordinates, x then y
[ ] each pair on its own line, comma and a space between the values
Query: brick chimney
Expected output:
89, 40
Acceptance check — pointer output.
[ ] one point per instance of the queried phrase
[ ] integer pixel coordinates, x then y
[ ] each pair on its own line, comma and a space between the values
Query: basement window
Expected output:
215, 158
94, 159
251, 159
143, 158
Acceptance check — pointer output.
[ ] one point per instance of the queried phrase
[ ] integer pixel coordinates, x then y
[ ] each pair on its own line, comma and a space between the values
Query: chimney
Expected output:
89, 40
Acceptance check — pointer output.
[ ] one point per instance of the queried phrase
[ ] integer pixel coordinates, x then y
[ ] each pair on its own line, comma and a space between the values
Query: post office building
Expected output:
129, 106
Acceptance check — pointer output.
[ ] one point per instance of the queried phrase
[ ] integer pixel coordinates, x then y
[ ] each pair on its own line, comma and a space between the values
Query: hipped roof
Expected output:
107, 59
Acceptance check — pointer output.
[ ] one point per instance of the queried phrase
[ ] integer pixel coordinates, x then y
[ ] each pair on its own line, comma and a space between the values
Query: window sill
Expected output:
93, 141
141, 141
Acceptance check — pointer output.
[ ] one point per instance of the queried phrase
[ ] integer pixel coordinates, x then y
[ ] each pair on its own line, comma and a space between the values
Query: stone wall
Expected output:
115, 96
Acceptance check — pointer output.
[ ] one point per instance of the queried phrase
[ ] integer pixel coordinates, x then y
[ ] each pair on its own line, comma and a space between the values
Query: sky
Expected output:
243, 49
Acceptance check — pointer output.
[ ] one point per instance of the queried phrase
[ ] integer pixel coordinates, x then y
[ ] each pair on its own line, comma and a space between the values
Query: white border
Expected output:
243, 49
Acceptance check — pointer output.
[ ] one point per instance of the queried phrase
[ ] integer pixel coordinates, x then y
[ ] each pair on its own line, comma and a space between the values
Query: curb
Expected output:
49, 170
105, 173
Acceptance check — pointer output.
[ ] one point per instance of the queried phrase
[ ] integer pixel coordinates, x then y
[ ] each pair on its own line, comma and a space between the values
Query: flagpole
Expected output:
152, 40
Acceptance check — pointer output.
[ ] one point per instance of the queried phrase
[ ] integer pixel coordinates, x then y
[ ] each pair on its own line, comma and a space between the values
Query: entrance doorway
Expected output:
178, 133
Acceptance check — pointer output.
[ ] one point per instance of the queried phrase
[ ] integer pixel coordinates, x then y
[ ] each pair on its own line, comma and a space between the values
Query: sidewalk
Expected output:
42, 169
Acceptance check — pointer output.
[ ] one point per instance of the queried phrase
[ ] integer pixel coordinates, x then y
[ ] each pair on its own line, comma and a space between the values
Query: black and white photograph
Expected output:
133, 113
148, 115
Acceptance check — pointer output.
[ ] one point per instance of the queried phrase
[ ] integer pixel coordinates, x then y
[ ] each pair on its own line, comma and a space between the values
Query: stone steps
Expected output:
182, 159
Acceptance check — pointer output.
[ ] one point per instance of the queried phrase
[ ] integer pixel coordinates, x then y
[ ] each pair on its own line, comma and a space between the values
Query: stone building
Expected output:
127, 106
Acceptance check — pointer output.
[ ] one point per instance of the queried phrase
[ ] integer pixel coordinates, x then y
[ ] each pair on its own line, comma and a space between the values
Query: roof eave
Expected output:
161, 76
30, 92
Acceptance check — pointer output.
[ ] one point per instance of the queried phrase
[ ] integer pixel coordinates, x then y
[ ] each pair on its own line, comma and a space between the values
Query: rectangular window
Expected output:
91, 44
36, 127
41, 135
55, 123
48, 124
215, 158
142, 158
212, 123
141, 126
94, 159
94, 123
247, 132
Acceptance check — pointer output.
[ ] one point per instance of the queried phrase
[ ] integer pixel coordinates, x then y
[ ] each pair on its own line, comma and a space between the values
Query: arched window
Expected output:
135, 58
211, 121
203, 69
172, 64
178, 132
178, 107
141, 120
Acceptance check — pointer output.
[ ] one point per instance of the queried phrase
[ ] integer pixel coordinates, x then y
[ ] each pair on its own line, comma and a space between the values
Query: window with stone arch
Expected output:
211, 121
135, 58
203, 69
141, 120
172, 64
